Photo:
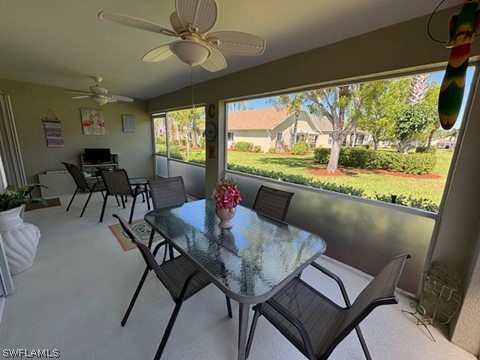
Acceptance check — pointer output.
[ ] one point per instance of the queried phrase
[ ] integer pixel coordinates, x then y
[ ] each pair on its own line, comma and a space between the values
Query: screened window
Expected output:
180, 134
380, 139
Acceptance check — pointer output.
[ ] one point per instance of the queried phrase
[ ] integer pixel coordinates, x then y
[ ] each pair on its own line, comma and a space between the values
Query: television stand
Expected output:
89, 168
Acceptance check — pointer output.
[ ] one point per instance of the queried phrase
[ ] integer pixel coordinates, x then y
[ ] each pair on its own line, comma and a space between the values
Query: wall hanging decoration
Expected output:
53, 130
92, 122
462, 29
128, 122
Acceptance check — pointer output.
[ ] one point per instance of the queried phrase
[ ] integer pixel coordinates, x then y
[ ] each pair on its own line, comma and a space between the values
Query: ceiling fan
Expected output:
191, 22
99, 94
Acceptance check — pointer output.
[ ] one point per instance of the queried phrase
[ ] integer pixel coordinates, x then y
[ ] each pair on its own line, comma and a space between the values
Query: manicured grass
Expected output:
372, 182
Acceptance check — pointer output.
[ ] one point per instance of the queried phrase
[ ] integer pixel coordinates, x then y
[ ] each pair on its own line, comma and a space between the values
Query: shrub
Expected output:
420, 163
300, 148
243, 146
412, 163
197, 157
355, 157
201, 142
424, 149
421, 203
296, 179
257, 149
321, 155
272, 150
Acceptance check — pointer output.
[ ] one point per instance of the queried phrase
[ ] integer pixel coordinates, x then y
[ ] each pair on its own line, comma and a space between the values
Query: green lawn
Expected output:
371, 182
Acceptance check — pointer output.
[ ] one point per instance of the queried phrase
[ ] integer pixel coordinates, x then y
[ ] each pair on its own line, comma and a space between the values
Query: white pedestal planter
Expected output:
20, 239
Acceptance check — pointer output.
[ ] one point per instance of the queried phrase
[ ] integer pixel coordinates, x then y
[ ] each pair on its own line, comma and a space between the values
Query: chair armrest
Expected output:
295, 322
158, 246
337, 280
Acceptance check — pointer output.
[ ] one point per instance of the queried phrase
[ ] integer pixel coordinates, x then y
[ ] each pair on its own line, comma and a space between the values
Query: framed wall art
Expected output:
92, 122
128, 123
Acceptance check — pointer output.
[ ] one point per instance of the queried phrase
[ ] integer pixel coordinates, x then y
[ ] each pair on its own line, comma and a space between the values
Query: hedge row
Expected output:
360, 157
409, 201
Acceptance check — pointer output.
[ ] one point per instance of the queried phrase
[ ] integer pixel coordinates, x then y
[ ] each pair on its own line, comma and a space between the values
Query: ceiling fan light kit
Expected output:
99, 100
190, 52
191, 21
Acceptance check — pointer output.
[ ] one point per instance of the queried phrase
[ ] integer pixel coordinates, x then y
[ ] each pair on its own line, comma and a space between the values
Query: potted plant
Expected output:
13, 198
226, 196
20, 239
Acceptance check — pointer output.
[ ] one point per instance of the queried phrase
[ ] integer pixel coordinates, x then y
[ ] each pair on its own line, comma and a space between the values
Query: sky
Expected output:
435, 76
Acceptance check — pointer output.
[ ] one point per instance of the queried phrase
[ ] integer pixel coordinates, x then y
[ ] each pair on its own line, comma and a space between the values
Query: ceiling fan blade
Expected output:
215, 62
236, 42
80, 92
81, 97
135, 23
158, 54
199, 14
113, 98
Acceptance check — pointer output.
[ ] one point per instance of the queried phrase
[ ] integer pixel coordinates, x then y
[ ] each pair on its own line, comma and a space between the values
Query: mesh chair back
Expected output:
116, 182
167, 192
272, 202
380, 291
77, 176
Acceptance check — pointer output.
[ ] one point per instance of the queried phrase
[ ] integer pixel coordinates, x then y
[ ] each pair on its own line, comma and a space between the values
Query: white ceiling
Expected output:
63, 42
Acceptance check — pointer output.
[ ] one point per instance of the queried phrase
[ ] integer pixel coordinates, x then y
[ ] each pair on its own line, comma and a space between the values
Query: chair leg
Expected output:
135, 295
229, 306
168, 330
252, 330
103, 207
150, 240
86, 203
71, 200
363, 343
133, 208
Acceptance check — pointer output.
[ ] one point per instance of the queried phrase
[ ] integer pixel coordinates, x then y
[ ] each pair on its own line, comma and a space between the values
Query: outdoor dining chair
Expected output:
117, 184
82, 184
166, 192
313, 323
272, 202
179, 276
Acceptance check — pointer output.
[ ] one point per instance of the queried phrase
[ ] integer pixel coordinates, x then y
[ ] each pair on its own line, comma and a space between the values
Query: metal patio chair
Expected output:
166, 192
117, 184
82, 184
179, 276
272, 202
313, 323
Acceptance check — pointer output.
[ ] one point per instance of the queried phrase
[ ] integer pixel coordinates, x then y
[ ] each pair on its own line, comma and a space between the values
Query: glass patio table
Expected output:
250, 262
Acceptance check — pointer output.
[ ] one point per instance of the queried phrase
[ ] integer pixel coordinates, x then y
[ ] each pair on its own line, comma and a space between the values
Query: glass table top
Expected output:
249, 261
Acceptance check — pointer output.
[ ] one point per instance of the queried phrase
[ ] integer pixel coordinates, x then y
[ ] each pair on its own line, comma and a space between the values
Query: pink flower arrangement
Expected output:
226, 194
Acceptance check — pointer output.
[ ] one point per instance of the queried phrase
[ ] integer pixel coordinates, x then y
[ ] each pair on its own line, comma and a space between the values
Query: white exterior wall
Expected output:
257, 137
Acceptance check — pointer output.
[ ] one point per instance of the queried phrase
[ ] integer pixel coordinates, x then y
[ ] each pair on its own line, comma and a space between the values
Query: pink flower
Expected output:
226, 194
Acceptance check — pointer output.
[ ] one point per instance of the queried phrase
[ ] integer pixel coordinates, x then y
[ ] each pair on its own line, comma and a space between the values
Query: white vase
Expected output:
20, 239
226, 215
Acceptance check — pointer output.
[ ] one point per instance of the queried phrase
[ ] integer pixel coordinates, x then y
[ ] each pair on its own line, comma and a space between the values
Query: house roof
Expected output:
258, 119
268, 118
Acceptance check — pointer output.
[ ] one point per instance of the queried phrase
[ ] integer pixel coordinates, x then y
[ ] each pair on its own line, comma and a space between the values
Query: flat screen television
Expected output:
97, 156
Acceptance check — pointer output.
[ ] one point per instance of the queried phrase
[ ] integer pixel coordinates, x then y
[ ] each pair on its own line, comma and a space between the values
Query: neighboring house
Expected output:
272, 128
